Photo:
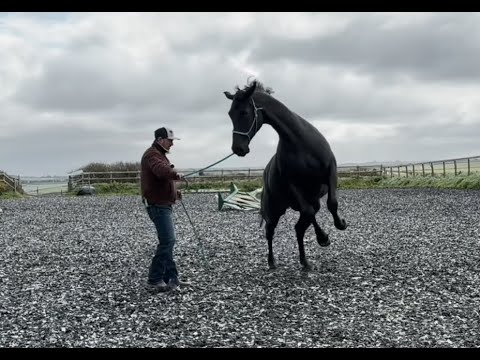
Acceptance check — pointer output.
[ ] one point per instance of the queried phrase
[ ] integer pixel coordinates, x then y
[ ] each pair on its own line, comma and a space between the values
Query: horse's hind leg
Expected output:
332, 203
300, 227
322, 237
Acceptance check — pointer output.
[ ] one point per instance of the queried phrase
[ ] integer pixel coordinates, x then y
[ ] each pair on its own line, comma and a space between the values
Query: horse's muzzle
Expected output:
240, 145
240, 150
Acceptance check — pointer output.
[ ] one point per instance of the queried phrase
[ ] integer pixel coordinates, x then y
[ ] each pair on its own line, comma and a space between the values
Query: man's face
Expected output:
166, 143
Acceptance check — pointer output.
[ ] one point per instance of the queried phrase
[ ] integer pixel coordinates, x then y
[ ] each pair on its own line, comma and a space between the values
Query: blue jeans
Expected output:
163, 266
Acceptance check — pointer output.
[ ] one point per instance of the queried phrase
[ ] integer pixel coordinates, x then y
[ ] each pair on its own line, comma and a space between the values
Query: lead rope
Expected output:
209, 166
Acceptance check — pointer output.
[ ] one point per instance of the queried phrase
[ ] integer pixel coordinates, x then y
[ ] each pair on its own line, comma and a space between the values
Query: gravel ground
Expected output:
405, 273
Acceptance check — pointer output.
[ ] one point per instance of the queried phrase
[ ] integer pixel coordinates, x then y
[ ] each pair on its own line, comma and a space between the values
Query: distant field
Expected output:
42, 189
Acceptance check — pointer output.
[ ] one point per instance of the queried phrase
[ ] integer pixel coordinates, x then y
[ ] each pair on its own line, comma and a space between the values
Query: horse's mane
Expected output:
260, 87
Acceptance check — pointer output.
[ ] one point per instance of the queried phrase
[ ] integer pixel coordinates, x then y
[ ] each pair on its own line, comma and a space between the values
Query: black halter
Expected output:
255, 122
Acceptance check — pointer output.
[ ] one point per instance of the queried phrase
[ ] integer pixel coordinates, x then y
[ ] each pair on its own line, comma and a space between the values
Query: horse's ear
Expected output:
249, 91
245, 95
228, 95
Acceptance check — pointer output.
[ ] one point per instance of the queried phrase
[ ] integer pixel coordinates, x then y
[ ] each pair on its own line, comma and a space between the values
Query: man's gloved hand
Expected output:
179, 195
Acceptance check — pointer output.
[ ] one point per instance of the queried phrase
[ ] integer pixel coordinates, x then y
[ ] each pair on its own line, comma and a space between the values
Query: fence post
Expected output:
468, 171
431, 165
455, 166
413, 165
444, 173
381, 170
406, 170
423, 169
398, 170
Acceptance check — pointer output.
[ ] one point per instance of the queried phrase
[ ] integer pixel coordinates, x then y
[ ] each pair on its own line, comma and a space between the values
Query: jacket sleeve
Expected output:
161, 168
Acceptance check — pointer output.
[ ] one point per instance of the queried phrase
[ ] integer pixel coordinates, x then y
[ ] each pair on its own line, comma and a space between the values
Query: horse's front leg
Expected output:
269, 232
300, 228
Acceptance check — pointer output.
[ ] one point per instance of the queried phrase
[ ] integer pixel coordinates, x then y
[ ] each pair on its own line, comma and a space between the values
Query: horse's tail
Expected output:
261, 218
332, 202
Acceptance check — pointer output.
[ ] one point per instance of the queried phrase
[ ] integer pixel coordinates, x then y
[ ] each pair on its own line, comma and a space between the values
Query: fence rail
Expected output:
12, 183
467, 166
458, 166
90, 178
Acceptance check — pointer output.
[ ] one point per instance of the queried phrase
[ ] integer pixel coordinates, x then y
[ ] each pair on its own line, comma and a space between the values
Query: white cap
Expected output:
171, 135
165, 133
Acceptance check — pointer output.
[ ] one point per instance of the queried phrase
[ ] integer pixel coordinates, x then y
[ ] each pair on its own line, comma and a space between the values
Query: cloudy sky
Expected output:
92, 87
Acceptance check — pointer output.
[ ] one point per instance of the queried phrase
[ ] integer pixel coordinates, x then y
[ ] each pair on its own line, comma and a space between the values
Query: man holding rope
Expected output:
159, 193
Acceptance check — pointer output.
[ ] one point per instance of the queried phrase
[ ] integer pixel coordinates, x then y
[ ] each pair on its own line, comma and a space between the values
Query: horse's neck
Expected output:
290, 127
296, 134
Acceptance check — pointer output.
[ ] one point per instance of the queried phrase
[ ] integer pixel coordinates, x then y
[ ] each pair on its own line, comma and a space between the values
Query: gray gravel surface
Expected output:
405, 273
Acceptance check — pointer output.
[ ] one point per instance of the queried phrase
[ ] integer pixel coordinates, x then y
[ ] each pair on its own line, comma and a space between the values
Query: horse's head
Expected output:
244, 115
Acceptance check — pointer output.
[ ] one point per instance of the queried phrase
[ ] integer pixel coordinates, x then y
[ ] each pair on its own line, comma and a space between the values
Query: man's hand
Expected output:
179, 195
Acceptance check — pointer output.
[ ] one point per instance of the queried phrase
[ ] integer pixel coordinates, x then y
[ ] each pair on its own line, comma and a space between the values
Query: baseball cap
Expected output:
165, 133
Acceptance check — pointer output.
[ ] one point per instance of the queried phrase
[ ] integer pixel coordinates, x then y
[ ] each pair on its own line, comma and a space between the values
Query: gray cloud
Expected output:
85, 87
443, 47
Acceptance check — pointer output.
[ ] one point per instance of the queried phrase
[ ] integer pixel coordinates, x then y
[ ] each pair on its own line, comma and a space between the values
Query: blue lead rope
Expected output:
219, 161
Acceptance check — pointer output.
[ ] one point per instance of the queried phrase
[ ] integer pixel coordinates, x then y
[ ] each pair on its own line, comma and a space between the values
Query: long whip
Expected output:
196, 235
188, 215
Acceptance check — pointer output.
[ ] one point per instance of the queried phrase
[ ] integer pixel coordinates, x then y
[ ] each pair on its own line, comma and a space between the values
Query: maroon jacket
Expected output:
157, 178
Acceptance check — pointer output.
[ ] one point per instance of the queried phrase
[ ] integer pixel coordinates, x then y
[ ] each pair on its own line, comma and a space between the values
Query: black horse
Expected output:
302, 171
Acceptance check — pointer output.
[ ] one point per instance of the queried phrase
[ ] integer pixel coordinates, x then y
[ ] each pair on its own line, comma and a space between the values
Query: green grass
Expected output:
114, 188
359, 183
447, 182
7, 193
10, 195
243, 185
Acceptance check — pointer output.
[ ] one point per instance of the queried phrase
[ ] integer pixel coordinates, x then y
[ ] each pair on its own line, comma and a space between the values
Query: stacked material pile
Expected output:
240, 200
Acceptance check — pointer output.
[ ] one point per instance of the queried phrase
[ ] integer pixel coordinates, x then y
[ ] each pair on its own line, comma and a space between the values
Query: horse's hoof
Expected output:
308, 267
325, 242
272, 267
341, 225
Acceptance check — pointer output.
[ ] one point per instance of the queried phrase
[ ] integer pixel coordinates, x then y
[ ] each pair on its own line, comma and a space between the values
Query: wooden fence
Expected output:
12, 183
89, 178
458, 166
464, 166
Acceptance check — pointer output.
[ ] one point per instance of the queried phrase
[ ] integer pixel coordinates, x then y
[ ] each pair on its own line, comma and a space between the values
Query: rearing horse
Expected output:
302, 171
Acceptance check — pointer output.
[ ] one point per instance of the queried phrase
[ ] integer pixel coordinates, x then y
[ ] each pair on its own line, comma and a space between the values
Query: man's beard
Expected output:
167, 151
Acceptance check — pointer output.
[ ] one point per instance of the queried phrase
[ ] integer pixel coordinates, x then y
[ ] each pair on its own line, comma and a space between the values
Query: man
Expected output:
159, 193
